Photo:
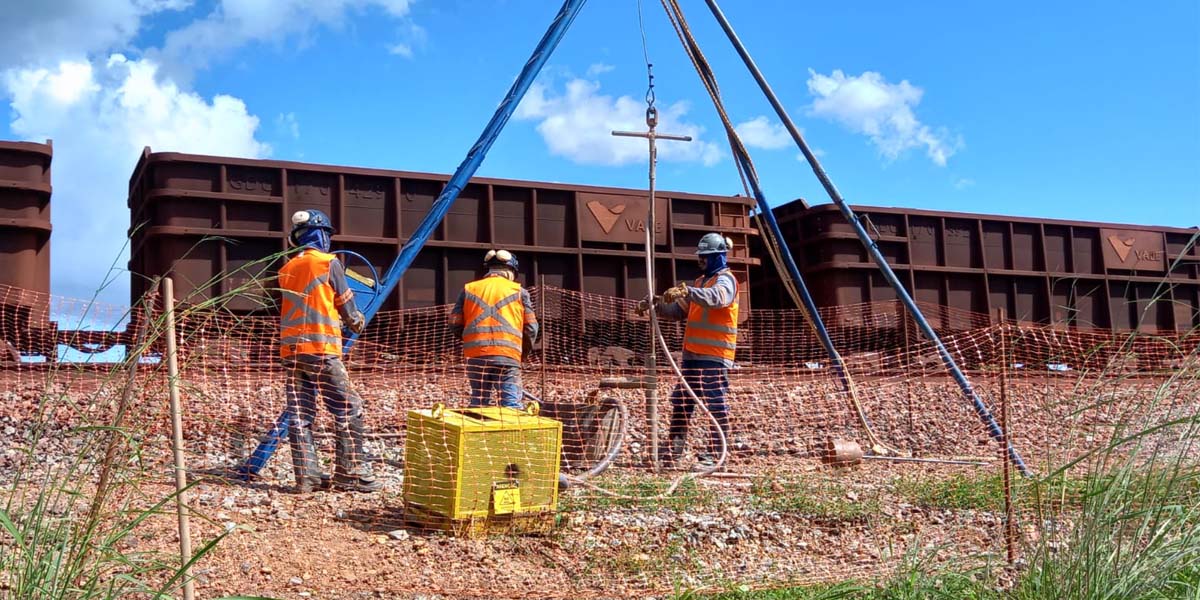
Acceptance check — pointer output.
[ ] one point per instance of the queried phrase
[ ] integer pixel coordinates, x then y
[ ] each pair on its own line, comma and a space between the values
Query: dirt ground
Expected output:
715, 535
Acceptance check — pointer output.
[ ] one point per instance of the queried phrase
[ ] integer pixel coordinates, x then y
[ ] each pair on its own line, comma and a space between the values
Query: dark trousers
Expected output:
710, 382
324, 377
311, 377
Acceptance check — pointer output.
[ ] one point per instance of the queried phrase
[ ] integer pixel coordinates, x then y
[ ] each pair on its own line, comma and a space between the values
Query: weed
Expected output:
637, 490
64, 526
815, 499
956, 492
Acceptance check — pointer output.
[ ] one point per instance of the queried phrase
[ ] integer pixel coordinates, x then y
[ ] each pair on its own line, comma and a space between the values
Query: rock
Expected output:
295, 581
399, 535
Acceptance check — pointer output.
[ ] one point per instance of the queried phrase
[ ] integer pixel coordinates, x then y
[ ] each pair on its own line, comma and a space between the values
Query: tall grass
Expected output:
1137, 533
69, 523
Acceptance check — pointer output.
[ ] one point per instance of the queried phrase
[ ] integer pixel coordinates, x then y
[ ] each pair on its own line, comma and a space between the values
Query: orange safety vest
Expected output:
494, 317
712, 331
309, 322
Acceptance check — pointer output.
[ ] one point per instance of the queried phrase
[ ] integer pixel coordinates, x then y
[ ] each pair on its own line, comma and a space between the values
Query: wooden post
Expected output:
181, 507
544, 322
906, 367
1006, 460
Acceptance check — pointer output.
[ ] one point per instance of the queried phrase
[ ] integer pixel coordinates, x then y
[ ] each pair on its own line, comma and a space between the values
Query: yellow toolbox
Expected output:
474, 471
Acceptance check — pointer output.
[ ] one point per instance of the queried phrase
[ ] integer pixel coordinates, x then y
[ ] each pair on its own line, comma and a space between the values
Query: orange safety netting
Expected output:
773, 515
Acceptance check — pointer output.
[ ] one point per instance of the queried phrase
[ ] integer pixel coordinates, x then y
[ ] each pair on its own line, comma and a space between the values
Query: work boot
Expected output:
352, 471
674, 451
305, 467
705, 461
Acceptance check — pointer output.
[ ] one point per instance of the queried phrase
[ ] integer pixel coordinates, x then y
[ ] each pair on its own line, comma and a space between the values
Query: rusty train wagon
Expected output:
24, 245
1096, 276
211, 221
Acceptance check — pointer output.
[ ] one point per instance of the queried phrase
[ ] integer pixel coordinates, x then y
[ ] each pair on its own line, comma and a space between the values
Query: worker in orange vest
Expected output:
710, 308
317, 301
494, 316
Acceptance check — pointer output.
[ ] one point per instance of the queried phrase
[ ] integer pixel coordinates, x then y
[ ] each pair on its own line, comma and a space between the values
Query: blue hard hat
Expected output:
502, 258
304, 220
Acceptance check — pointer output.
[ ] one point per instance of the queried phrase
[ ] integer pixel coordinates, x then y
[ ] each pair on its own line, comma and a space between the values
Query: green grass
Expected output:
65, 524
639, 490
808, 592
958, 492
819, 499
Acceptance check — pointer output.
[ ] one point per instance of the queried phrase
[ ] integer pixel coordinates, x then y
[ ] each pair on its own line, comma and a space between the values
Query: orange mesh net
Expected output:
777, 513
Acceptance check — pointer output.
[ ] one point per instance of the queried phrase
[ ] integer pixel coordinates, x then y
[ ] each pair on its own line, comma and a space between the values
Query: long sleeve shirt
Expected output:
343, 296
720, 295
530, 330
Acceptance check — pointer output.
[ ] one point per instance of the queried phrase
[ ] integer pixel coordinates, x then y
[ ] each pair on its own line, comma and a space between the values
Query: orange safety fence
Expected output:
775, 514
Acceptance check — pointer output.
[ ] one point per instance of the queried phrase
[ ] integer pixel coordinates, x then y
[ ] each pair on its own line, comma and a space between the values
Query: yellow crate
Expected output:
478, 470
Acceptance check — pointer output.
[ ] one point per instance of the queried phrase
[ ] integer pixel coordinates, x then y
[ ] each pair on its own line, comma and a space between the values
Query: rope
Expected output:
747, 171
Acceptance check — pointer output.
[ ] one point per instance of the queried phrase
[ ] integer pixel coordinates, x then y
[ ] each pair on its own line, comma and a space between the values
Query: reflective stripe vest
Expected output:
308, 323
712, 331
493, 318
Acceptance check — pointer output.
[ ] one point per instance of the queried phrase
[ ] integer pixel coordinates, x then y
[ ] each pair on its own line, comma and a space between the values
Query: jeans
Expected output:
487, 377
709, 381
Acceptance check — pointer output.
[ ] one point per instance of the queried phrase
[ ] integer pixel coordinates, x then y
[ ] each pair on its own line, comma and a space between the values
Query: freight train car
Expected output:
1097, 276
24, 242
211, 221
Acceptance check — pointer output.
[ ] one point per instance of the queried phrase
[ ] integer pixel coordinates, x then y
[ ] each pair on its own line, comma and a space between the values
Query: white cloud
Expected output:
599, 69
45, 32
235, 23
288, 125
412, 37
963, 183
60, 81
578, 125
883, 111
761, 132
100, 116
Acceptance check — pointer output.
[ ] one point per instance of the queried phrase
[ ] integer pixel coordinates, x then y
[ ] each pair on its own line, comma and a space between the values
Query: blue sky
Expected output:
1065, 110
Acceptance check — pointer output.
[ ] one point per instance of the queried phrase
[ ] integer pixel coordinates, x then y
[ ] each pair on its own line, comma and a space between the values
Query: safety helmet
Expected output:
502, 258
713, 243
308, 219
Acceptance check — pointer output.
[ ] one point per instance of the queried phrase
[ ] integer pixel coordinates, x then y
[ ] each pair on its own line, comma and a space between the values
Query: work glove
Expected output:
643, 305
357, 322
676, 293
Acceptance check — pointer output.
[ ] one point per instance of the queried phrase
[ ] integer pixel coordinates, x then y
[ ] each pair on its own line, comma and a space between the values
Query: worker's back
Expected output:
308, 322
493, 317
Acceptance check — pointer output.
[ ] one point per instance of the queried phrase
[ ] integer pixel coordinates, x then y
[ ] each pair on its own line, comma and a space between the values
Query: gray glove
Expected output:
357, 322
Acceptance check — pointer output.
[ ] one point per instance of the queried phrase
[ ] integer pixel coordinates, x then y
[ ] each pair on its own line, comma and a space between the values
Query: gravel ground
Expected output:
725, 530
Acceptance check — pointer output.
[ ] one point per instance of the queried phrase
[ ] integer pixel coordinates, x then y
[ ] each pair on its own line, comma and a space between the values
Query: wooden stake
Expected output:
181, 507
1006, 462
544, 322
